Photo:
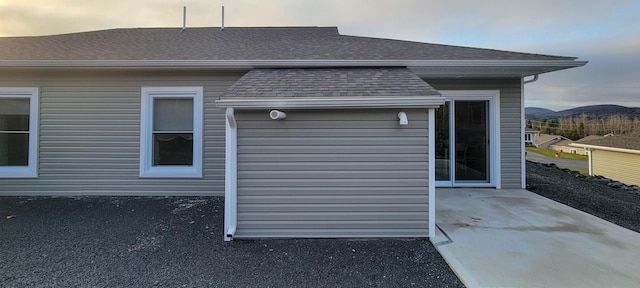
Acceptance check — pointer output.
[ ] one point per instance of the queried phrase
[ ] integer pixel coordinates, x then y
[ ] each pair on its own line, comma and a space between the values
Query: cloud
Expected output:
41, 17
611, 76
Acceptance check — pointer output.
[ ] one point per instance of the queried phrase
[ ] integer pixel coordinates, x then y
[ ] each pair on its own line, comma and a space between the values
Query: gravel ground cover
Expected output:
177, 242
598, 196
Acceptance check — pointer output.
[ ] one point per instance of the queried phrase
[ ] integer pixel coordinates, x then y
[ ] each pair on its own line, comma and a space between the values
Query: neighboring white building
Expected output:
616, 157
530, 136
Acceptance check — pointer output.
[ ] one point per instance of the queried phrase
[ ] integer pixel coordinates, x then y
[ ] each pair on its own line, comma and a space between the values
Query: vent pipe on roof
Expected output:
184, 18
222, 27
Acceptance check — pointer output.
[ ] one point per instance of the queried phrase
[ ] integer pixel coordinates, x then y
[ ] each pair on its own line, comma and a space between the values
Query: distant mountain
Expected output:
534, 113
593, 111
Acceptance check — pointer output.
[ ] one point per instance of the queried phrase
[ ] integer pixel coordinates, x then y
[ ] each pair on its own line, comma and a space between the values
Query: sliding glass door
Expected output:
463, 155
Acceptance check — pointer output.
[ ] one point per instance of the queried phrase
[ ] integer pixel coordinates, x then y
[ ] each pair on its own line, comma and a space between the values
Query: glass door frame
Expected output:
493, 117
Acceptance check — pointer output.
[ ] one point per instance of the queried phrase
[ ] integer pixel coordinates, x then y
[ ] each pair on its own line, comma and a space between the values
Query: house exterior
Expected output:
530, 136
616, 157
306, 132
565, 145
546, 140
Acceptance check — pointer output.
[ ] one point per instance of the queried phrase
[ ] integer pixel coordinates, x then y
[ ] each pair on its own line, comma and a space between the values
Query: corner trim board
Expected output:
432, 173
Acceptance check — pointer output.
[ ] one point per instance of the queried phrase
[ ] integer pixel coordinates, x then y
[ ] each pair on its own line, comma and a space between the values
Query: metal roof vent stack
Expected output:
222, 27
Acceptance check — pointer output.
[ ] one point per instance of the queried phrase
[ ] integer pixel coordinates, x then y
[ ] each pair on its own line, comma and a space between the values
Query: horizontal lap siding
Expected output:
354, 173
90, 134
618, 166
510, 121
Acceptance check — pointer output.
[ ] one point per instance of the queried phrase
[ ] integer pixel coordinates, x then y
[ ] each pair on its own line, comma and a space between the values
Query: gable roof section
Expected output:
543, 139
562, 143
246, 48
330, 87
590, 137
275, 43
623, 142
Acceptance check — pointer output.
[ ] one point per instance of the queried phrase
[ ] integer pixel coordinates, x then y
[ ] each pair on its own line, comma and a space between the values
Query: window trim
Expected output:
33, 94
147, 170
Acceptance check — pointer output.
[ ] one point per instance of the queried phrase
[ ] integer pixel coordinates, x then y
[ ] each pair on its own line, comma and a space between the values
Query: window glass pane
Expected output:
472, 132
172, 114
14, 114
14, 149
443, 159
172, 149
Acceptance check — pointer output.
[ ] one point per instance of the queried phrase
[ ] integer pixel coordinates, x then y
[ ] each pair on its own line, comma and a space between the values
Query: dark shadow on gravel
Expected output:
594, 195
177, 242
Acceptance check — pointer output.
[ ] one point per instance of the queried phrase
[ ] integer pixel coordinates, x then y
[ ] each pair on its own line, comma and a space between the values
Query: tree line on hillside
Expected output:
575, 128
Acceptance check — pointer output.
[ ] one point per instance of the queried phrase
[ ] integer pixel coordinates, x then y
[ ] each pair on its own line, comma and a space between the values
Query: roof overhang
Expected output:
334, 88
597, 147
423, 68
333, 103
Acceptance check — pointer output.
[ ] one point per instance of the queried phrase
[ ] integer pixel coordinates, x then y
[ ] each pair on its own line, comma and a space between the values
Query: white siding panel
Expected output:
341, 173
618, 166
90, 133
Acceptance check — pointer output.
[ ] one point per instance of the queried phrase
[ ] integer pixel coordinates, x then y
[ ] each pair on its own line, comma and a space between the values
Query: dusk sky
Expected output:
604, 32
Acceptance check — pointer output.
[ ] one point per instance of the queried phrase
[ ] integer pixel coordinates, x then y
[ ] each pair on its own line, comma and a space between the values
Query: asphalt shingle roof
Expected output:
589, 138
259, 43
546, 138
330, 82
624, 141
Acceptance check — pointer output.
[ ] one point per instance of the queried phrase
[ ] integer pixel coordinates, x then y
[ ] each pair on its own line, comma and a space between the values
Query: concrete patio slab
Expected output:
515, 238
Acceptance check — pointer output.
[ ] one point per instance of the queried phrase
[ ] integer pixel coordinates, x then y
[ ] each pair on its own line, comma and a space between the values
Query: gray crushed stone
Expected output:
177, 242
596, 195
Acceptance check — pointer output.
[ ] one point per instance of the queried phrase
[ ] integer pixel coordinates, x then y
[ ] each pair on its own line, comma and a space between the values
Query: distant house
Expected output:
546, 140
306, 132
565, 145
530, 136
616, 157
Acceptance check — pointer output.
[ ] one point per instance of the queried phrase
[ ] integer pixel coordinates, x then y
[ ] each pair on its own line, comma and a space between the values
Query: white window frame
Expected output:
147, 170
31, 170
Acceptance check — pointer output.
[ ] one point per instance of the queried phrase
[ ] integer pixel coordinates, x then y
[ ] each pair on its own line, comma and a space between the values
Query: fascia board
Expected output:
335, 103
596, 147
248, 64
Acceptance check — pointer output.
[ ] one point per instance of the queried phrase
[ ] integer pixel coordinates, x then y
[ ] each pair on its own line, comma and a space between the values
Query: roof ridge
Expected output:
218, 28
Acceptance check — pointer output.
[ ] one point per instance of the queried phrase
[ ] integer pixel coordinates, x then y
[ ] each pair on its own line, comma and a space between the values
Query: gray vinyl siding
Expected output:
510, 121
341, 173
618, 166
90, 133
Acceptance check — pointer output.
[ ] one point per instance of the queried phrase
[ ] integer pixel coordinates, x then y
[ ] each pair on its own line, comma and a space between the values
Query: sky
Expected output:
604, 32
